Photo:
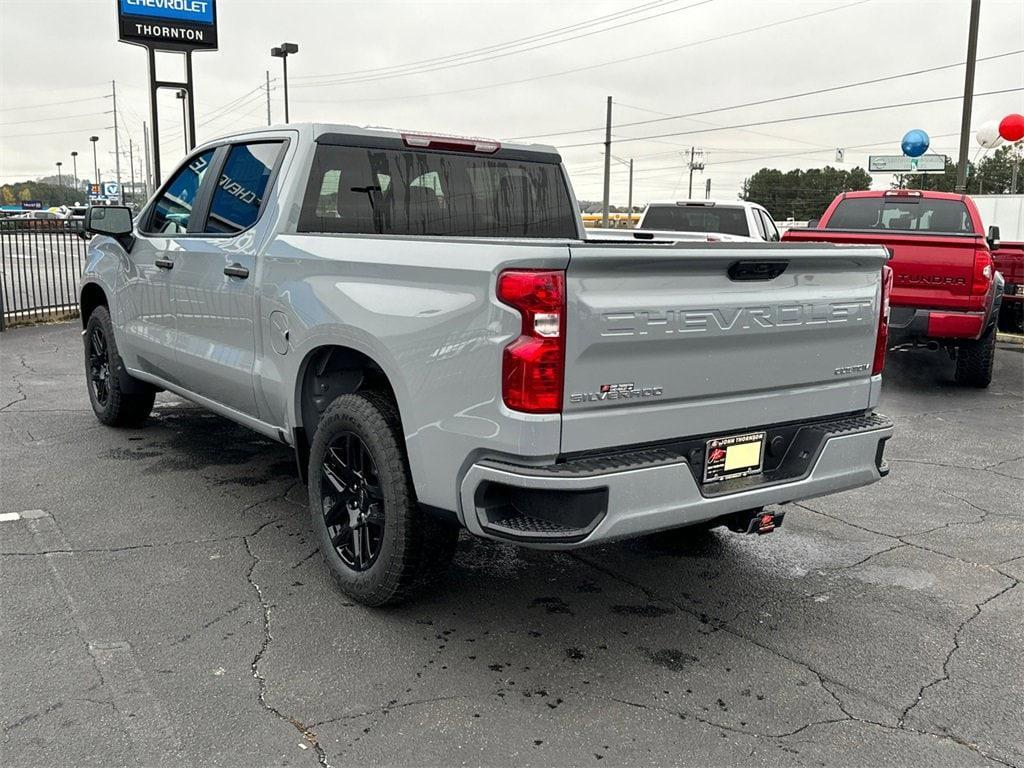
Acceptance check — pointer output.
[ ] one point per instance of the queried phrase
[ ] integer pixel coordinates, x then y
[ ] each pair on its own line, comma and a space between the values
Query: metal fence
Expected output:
41, 261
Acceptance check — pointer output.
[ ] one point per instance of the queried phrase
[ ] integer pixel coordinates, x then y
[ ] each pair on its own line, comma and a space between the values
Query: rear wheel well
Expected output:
92, 297
332, 371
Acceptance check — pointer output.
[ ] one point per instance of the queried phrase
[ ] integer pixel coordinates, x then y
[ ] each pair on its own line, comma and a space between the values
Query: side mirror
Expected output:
993, 237
812, 223
112, 220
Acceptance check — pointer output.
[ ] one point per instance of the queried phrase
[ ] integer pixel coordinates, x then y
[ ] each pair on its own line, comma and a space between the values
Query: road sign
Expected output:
169, 25
904, 164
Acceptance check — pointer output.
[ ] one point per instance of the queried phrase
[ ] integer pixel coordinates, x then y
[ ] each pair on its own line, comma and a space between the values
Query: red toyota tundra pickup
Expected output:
946, 292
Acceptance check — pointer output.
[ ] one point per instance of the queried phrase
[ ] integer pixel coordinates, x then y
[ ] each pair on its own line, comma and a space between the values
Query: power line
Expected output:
55, 103
613, 62
51, 119
761, 102
480, 59
57, 133
797, 118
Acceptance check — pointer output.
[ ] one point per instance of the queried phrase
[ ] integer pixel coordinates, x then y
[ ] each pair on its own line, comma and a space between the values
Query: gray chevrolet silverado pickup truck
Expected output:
422, 319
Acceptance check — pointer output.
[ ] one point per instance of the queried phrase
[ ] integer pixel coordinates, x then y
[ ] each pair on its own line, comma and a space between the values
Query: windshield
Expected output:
907, 214
724, 219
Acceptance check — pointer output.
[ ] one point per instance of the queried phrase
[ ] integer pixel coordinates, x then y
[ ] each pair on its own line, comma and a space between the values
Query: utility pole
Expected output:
268, 97
630, 209
965, 119
117, 151
607, 164
131, 164
707, 189
696, 164
145, 150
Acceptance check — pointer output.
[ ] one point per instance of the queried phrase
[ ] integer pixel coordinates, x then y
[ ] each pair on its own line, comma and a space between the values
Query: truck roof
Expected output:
736, 203
341, 131
923, 193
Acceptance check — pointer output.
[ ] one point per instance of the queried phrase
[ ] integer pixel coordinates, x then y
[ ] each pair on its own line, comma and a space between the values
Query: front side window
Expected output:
173, 209
405, 192
241, 187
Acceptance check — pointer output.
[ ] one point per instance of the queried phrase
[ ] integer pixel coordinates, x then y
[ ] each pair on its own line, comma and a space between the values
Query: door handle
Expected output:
164, 263
236, 270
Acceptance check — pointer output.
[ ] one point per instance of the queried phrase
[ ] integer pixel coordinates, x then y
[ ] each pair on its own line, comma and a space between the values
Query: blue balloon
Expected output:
915, 143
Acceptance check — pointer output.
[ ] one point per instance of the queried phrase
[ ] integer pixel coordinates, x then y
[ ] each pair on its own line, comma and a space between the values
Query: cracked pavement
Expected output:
163, 603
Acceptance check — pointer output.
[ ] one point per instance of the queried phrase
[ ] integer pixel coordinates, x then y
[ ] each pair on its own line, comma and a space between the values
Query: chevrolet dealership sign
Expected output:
175, 25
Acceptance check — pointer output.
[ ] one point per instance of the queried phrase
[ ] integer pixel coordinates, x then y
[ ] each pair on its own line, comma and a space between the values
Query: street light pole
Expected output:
95, 162
965, 118
60, 179
282, 52
74, 165
180, 94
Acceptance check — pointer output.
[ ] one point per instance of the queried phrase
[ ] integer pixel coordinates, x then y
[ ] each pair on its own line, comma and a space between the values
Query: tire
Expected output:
974, 360
1011, 317
380, 547
103, 371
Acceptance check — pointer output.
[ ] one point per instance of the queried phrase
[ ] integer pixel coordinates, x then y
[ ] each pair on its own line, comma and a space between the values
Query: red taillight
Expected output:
882, 339
532, 366
983, 270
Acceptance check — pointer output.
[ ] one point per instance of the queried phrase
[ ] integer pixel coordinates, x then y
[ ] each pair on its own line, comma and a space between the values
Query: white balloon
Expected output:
988, 134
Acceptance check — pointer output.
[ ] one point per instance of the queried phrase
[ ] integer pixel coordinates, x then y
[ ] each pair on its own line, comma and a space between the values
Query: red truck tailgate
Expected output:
933, 271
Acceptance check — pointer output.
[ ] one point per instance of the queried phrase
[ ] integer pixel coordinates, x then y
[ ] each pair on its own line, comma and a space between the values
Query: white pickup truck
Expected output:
422, 319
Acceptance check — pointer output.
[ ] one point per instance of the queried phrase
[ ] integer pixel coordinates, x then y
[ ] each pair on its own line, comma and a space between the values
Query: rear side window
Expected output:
403, 192
173, 210
727, 220
906, 214
242, 186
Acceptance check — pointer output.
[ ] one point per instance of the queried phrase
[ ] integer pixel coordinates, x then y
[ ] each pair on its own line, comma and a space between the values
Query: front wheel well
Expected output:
92, 297
330, 371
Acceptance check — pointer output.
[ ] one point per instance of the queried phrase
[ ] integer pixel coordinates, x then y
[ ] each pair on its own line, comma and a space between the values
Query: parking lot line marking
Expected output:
9, 517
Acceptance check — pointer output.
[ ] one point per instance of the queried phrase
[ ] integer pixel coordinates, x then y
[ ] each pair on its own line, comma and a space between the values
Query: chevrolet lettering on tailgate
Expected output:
642, 321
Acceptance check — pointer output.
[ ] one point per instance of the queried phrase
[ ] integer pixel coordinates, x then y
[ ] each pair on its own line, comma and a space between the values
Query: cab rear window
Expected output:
728, 220
904, 214
406, 192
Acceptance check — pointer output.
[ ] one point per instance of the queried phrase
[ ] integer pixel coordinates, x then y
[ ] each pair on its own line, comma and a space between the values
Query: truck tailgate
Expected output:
929, 271
663, 342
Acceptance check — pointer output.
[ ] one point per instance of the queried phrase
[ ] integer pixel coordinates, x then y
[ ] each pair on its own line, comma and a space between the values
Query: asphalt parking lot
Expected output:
163, 604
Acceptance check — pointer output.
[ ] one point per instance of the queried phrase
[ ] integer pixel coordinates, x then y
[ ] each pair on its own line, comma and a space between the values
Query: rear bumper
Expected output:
594, 500
907, 323
1013, 292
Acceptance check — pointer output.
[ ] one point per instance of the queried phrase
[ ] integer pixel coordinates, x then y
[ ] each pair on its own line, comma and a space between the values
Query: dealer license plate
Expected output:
736, 456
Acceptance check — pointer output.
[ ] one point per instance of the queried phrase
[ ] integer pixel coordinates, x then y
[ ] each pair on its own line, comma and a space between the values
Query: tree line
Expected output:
803, 195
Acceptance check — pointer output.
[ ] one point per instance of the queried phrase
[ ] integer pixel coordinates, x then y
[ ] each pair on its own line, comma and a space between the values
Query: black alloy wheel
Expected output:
99, 365
352, 501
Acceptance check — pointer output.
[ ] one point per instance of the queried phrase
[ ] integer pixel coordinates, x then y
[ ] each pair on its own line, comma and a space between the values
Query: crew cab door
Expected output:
145, 314
213, 282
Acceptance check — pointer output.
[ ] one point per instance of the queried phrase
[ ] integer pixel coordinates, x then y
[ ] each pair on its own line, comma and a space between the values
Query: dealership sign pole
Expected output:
176, 26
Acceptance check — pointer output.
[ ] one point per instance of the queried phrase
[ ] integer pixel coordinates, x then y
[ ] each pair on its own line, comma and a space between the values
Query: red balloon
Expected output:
1011, 127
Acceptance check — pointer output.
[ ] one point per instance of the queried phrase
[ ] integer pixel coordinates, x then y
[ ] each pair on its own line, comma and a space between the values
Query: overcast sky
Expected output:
656, 58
